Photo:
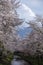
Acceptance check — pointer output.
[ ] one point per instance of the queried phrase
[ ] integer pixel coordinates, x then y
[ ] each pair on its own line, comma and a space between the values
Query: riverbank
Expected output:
32, 60
18, 61
36, 59
6, 57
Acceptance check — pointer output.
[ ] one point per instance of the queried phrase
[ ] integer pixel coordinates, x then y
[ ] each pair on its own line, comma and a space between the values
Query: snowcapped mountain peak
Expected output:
25, 13
28, 10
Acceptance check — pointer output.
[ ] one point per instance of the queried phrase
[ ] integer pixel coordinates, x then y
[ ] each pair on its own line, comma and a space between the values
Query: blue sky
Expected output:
35, 5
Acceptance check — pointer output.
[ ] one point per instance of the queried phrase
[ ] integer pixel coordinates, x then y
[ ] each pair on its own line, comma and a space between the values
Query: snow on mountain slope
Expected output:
25, 13
24, 31
28, 10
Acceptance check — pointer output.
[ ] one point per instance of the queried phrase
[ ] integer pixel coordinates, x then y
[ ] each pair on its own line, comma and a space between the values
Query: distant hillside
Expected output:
24, 31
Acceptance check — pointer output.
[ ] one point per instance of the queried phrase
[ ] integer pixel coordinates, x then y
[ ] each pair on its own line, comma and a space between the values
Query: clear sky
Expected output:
35, 5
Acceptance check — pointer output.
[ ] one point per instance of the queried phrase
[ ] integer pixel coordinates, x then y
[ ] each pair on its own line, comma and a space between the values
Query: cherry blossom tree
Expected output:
9, 20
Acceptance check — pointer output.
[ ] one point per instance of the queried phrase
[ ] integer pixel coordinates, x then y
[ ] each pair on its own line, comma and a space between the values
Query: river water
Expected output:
18, 61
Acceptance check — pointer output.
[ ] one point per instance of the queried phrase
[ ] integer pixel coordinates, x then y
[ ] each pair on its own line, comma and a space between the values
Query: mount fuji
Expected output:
27, 14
